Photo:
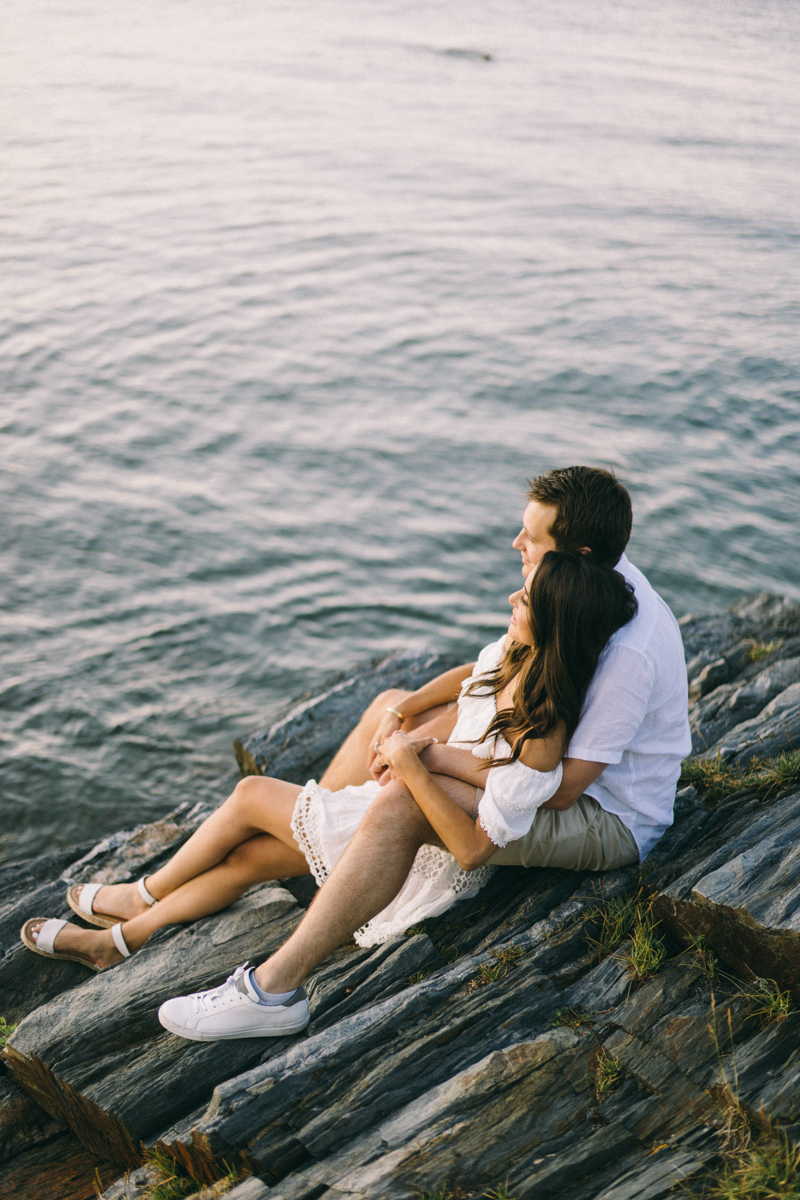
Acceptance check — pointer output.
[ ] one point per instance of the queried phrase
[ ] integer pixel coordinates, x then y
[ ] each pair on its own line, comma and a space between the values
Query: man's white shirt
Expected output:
635, 717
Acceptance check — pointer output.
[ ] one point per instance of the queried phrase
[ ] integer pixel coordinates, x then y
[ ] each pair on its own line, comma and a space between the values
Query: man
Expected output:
614, 802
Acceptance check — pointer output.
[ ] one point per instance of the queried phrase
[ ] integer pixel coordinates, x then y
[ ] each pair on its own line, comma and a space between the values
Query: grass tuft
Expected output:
707, 960
572, 1018
760, 650
449, 953
629, 917
417, 977
647, 952
169, 1185
6, 1031
773, 1004
607, 1075
499, 1193
491, 972
716, 781
767, 1170
617, 919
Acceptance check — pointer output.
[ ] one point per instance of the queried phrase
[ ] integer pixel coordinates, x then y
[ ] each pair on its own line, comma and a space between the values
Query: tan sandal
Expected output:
44, 942
80, 898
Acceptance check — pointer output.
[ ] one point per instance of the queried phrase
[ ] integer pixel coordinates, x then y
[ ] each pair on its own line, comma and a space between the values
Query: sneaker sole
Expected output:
195, 1035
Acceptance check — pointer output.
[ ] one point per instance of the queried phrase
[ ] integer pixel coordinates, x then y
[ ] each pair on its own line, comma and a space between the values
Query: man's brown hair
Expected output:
592, 509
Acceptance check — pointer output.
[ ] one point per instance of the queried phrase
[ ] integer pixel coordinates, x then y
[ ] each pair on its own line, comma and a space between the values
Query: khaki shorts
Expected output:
583, 838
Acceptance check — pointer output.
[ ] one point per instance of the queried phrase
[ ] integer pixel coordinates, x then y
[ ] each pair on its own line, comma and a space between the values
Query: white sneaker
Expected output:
232, 1011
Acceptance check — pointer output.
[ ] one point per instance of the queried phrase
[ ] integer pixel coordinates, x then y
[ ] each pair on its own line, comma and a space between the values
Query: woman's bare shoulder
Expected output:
544, 754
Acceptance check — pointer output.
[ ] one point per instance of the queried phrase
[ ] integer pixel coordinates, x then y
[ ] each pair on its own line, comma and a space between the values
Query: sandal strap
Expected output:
45, 938
143, 892
86, 896
119, 940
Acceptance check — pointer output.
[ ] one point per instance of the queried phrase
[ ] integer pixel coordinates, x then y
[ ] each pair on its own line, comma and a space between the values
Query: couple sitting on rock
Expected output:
560, 747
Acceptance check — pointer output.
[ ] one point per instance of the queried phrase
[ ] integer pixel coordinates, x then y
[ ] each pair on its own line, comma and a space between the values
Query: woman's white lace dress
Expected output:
324, 822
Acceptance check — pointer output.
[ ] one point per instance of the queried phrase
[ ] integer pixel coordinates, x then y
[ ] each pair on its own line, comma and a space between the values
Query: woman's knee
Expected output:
251, 789
392, 696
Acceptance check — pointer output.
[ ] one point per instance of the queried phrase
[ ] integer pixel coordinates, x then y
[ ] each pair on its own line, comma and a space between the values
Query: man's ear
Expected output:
584, 550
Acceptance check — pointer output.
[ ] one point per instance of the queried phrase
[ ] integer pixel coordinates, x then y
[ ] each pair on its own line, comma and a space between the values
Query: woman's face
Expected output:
519, 626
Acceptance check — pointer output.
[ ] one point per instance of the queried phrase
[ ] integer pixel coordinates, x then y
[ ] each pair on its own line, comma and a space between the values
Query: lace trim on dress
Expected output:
305, 827
433, 884
491, 832
512, 780
430, 871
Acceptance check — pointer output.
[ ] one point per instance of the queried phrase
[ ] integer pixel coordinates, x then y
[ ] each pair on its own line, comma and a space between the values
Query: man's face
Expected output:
534, 540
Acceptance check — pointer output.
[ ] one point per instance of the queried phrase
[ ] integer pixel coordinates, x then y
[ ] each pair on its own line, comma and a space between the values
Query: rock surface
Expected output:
495, 1047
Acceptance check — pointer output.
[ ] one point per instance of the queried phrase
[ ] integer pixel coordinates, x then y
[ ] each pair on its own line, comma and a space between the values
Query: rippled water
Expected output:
296, 296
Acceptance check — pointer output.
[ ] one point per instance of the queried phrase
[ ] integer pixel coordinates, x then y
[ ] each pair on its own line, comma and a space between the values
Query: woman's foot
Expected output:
97, 944
115, 901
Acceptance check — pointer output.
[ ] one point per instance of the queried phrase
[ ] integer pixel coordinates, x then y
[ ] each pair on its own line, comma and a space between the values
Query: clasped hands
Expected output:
394, 753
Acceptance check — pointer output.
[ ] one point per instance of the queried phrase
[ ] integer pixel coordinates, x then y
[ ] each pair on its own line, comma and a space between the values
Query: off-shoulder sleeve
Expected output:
513, 794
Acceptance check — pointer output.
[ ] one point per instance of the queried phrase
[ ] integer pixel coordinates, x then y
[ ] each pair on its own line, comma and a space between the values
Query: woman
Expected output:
516, 712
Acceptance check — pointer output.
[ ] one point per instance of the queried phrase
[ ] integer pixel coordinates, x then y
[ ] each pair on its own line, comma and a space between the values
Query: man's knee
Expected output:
395, 808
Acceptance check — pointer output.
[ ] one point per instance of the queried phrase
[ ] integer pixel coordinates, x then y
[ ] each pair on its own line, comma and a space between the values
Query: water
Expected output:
295, 296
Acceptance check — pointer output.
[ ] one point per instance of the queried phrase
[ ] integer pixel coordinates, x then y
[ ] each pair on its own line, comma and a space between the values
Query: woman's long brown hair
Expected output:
575, 604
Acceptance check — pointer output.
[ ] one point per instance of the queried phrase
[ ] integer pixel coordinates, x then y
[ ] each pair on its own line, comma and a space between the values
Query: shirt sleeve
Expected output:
615, 706
513, 794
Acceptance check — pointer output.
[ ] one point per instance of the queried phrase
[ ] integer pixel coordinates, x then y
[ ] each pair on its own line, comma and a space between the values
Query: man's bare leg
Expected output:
367, 877
349, 766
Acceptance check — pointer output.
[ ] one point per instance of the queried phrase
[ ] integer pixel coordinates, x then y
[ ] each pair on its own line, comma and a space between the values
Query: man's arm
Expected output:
539, 754
576, 777
462, 764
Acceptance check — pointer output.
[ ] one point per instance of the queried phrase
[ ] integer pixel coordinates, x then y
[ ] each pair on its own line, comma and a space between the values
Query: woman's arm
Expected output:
462, 836
444, 687
540, 754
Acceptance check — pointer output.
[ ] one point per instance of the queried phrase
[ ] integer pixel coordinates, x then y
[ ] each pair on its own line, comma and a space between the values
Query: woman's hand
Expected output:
389, 725
397, 751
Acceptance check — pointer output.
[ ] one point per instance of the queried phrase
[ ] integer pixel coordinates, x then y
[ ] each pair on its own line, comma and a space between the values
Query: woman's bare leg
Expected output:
270, 802
349, 765
247, 840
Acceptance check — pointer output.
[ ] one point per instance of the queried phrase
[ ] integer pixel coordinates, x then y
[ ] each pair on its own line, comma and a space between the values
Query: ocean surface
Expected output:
294, 297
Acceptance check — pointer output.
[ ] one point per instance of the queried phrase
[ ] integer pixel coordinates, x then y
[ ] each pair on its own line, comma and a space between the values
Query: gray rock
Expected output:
709, 678
743, 898
134, 1185
465, 1054
766, 609
251, 1189
775, 730
732, 704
